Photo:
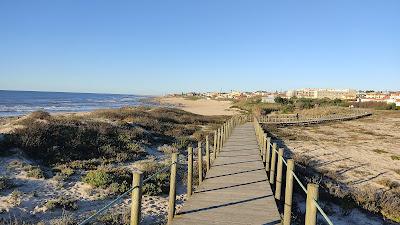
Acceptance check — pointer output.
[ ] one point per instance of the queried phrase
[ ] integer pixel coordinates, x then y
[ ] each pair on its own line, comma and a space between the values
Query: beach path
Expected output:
236, 189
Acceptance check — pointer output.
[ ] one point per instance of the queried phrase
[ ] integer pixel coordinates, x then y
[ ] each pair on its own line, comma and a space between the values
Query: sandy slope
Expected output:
363, 155
361, 152
33, 194
201, 106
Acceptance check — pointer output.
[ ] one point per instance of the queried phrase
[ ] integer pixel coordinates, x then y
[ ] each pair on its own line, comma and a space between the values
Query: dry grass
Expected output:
386, 182
395, 157
379, 151
353, 157
323, 111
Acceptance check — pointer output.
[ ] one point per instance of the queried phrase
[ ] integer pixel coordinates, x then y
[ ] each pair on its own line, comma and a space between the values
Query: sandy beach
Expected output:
205, 107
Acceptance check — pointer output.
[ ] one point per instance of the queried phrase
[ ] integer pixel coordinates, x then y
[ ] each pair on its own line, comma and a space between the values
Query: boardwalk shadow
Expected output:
231, 186
241, 150
232, 156
360, 181
273, 223
230, 174
225, 205
330, 162
226, 164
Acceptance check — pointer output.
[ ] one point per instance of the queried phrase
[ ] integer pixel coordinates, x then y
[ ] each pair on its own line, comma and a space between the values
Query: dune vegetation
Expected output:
91, 155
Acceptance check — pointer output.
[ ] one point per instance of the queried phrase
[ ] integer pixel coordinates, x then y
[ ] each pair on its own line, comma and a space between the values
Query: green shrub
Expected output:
118, 217
118, 188
395, 157
159, 184
116, 135
63, 172
288, 109
34, 172
62, 203
62, 141
90, 164
98, 178
15, 198
182, 143
167, 149
43, 115
117, 180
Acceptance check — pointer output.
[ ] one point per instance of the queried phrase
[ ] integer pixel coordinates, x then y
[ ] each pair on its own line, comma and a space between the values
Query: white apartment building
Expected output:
347, 94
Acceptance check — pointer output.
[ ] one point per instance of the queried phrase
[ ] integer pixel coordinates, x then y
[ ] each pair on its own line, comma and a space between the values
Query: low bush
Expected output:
395, 157
63, 141
168, 149
62, 203
288, 109
256, 106
42, 115
159, 184
15, 198
117, 217
90, 164
117, 180
181, 143
6, 183
63, 172
98, 178
375, 105
116, 135
34, 172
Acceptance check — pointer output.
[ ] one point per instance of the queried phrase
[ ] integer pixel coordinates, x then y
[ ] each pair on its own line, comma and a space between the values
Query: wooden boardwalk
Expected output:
236, 189
291, 121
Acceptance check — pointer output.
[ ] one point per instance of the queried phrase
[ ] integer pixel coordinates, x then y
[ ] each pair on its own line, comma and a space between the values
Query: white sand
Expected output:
205, 107
34, 193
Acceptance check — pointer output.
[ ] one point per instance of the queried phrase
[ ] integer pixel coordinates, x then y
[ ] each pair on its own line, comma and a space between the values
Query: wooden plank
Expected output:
235, 190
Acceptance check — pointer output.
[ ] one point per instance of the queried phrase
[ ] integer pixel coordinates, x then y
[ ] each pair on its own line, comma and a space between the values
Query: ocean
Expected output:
16, 103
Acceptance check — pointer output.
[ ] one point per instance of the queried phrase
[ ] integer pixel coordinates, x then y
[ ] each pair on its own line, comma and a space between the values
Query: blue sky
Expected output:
156, 47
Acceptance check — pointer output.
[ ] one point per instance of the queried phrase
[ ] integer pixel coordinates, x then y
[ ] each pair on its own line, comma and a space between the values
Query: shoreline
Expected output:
205, 107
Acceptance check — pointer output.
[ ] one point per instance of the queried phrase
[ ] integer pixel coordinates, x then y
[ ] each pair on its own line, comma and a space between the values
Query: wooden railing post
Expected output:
200, 162
136, 198
287, 211
278, 184
218, 140
172, 188
223, 134
264, 153
268, 154
207, 154
273, 162
190, 172
215, 145
226, 131
222, 138
311, 209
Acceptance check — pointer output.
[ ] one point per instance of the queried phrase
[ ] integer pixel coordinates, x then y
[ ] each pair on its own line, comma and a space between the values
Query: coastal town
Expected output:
351, 95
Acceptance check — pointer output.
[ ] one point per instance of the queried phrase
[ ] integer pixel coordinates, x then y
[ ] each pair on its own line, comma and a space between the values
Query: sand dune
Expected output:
205, 107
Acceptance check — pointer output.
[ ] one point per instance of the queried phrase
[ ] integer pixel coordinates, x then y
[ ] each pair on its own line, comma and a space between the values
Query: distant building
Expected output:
394, 97
375, 97
268, 99
291, 93
345, 94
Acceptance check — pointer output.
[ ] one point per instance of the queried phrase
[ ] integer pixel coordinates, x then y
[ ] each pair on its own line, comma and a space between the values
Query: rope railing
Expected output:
220, 137
269, 158
295, 118
116, 200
